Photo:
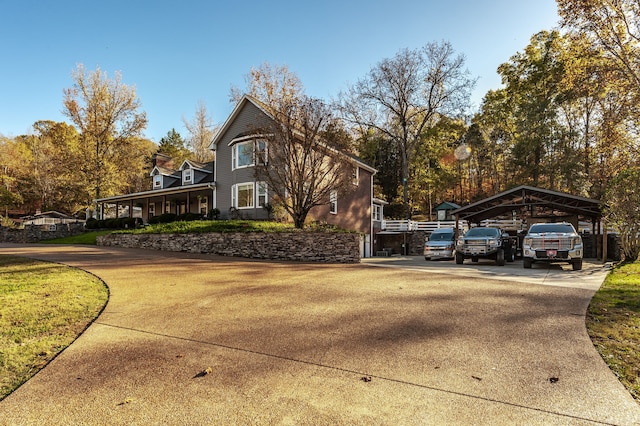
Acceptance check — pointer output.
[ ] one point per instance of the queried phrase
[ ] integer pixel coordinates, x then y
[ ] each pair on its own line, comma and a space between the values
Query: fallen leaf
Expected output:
204, 372
126, 401
553, 379
366, 379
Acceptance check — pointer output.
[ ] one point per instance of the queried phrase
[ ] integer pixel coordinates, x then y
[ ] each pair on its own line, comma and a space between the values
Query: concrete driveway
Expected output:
291, 343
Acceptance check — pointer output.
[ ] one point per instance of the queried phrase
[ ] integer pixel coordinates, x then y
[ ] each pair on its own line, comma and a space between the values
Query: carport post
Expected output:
604, 241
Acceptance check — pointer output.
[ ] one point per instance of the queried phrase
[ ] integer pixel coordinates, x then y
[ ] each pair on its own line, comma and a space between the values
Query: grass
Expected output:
88, 238
613, 323
43, 308
202, 226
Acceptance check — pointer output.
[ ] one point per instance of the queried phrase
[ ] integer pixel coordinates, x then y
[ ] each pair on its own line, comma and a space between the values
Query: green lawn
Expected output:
613, 322
202, 226
88, 238
43, 308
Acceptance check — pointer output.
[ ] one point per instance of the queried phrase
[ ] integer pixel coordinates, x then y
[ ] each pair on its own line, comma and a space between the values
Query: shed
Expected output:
443, 211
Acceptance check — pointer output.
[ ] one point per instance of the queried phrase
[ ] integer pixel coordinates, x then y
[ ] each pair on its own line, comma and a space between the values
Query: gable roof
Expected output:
525, 196
197, 165
164, 171
266, 111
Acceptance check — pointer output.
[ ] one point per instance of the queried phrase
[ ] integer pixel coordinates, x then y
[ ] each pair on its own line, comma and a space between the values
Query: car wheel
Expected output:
527, 263
577, 264
459, 259
500, 258
511, 255
427, 258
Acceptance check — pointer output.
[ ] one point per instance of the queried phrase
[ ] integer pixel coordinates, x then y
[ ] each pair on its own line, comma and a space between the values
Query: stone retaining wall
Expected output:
35, 233
298, 246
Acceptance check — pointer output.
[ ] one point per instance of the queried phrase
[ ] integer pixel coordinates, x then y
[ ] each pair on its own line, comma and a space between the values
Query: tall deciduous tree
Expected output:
271, 84
304, 163
404, 96
305, 155
532, 79
201, 130
622, 200
53, 154
12, 165
107, 114
614, 26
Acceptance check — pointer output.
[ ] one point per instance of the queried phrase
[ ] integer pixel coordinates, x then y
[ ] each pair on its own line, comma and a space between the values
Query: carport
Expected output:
533, 204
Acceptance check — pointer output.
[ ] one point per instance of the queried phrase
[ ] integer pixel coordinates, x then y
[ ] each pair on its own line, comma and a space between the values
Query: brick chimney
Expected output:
162, 160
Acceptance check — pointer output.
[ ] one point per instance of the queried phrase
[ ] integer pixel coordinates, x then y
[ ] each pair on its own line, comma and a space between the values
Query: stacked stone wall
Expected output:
35, 233
297, 246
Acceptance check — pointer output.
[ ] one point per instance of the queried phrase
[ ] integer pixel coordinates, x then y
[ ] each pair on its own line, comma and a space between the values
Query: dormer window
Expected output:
157, 181
187, 175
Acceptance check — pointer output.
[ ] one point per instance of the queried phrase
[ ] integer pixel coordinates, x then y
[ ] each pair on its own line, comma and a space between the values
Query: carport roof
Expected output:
524, 196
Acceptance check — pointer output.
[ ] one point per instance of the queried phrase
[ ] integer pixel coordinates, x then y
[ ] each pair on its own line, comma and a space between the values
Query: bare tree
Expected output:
302, 163
404, 96
271, 84
106, 113
202, 130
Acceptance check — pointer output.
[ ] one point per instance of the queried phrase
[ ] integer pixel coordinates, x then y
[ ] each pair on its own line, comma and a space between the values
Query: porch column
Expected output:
164, 204
117, 216
188, 209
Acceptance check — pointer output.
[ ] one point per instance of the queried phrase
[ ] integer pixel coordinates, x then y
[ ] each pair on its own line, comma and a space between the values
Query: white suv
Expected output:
552, 242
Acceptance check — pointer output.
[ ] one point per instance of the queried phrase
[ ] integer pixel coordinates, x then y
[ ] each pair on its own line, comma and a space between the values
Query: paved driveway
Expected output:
321, 344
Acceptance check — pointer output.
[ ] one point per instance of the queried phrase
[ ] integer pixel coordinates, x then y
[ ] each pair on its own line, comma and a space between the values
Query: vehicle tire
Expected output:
427, 258
527, 263
500, 257
459, 259
577, 264
511, 255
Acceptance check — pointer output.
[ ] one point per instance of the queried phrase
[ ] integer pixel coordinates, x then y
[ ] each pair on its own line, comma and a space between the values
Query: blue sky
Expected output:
177, 53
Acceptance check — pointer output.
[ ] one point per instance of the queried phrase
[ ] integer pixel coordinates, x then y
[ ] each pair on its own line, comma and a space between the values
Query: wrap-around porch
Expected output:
197, 199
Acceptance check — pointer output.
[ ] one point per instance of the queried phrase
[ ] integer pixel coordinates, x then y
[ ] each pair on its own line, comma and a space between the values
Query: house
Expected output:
229, 185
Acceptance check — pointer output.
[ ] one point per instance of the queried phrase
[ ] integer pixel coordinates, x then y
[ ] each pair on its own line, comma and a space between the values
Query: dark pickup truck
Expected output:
486, 243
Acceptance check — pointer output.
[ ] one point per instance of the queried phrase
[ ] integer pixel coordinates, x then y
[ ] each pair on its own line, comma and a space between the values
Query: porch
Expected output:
198, 199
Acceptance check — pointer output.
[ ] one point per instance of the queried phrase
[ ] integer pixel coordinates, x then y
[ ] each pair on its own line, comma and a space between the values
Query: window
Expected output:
204, 205
157, 181
333, 202
262, 194
186, 176
242, 196
377, 212
261, 151
152, 209
356, 175
246, 154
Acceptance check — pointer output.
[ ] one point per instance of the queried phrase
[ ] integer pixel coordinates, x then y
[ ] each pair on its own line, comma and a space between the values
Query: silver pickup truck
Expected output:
552, 242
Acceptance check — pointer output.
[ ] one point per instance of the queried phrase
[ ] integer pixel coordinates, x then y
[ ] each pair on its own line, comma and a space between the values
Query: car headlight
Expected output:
527, 241
494, 243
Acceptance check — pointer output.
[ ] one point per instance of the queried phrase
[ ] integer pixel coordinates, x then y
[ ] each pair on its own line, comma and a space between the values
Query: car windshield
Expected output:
551, 228
441, 236
482, 232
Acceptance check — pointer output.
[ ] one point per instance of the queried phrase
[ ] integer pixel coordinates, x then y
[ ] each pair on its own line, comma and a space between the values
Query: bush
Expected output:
120, 223
188, 217
163, 218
